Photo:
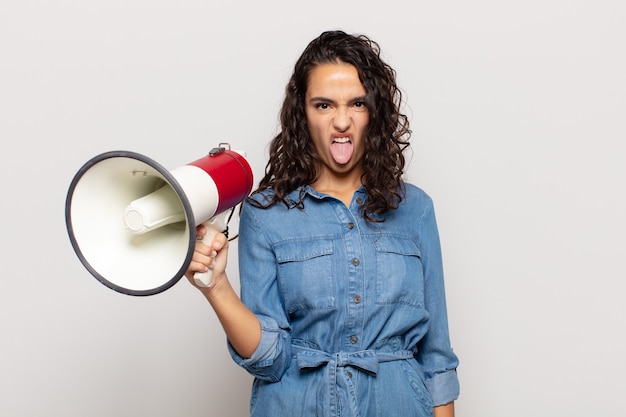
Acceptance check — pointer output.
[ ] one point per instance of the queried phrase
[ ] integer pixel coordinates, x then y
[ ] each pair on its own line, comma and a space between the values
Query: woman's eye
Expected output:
322, 106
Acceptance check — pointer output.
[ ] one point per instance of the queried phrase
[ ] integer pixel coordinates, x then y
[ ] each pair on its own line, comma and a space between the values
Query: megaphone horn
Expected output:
132, 222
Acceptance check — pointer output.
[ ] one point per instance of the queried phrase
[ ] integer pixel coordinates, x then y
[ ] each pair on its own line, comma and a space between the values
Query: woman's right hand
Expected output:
208, 257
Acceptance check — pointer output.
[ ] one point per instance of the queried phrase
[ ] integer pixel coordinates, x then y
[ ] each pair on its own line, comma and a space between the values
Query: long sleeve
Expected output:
259, 291
435, 354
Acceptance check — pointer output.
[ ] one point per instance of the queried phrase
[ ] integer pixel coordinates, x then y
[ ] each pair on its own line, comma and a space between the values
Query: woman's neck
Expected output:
340, 188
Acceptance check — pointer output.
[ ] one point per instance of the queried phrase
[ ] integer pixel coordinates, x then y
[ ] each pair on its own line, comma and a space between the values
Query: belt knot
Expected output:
366, 360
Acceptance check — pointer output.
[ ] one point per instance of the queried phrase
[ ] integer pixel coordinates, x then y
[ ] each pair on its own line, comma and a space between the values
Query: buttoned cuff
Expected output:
443, 387
265, 362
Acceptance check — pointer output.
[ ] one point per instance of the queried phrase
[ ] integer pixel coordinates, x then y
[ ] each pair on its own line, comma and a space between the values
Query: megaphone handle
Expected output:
214, 225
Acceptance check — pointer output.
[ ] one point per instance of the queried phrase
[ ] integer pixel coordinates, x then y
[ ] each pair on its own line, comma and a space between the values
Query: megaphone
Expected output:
132, 222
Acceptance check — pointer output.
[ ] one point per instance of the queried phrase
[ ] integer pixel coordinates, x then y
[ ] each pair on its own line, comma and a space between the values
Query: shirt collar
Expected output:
308, 189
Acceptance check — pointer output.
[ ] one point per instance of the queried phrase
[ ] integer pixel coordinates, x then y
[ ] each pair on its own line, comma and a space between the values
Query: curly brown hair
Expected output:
293, 160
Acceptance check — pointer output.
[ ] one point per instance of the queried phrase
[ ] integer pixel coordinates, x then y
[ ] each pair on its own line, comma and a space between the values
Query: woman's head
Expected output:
378, 79
293, 159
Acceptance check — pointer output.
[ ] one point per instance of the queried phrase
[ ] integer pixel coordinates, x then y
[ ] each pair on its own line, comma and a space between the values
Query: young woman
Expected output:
342, 309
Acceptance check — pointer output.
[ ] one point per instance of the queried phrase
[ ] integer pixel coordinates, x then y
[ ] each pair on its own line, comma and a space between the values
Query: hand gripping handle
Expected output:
214, 225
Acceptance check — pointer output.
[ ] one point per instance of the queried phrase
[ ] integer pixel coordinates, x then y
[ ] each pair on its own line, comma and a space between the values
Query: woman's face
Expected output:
337, 117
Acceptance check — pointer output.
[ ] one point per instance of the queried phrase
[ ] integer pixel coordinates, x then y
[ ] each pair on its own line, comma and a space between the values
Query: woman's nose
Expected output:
342, 120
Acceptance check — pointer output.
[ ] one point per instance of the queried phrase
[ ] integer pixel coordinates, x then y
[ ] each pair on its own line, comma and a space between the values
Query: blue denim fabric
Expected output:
353, 313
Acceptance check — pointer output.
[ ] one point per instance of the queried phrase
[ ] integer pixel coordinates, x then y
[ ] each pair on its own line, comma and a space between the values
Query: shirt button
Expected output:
354, 339
349, 374
350, 226
359, 200
357, 299
355, 261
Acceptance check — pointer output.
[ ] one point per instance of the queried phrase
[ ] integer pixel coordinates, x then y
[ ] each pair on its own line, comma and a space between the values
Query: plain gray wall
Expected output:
518, 112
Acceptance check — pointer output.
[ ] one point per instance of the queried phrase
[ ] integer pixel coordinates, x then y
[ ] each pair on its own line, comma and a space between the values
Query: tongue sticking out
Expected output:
341, 151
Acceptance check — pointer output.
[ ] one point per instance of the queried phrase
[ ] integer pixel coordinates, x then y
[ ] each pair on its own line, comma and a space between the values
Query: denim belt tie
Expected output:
366, 360
336, 390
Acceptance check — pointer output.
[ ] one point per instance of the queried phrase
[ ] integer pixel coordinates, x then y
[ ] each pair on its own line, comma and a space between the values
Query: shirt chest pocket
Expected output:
305, 274
399, 272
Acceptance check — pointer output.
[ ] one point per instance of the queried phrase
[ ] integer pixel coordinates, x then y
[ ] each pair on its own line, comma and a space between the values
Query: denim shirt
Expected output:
353, 313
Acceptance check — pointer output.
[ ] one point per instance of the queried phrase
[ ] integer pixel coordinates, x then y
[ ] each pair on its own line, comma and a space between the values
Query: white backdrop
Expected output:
518, 113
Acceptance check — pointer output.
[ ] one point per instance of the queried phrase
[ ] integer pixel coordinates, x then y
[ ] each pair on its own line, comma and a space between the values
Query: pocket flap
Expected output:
398, 245
297, 251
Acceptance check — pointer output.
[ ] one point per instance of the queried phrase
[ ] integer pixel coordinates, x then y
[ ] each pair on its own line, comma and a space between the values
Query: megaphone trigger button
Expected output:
216, 151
